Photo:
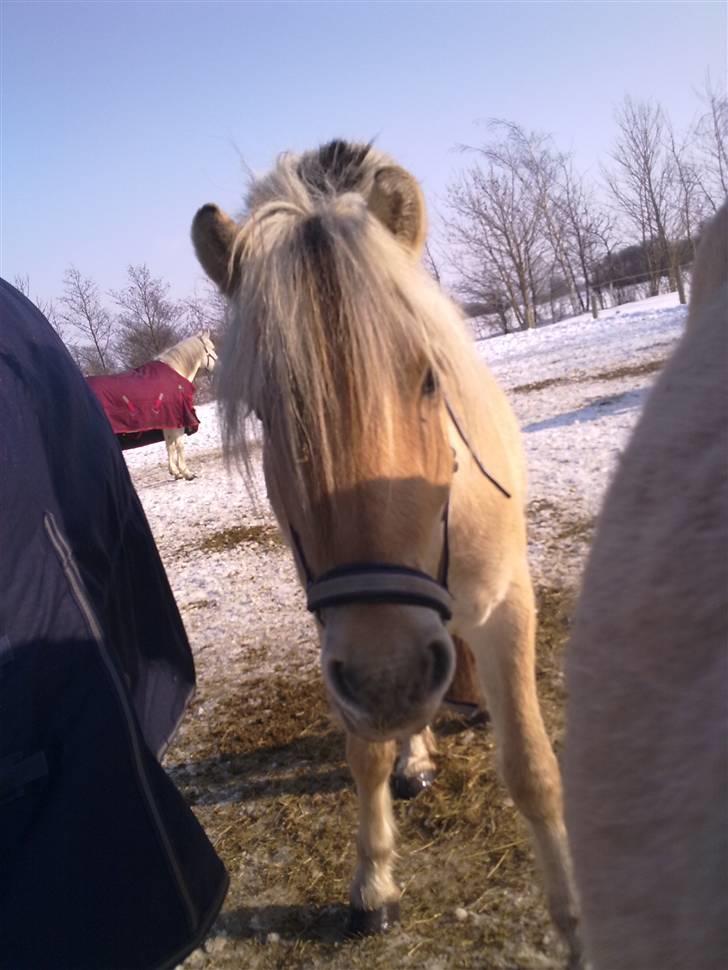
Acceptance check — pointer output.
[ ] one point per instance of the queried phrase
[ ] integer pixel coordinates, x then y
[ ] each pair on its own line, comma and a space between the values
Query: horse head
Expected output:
210, 353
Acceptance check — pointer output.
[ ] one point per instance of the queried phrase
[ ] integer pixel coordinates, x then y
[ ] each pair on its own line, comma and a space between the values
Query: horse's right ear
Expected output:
396, 200
213, 235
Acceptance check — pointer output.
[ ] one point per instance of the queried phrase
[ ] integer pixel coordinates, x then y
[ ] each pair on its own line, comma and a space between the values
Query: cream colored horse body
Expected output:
186, 357
646, 756
351, 356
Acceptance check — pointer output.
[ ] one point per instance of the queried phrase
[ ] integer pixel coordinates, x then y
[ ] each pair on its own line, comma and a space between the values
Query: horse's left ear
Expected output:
213, 235
396, 200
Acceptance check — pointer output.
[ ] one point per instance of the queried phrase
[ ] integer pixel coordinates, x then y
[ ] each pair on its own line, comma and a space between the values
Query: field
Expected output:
258, 757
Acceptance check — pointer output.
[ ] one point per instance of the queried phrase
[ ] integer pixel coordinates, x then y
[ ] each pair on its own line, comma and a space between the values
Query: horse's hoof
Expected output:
188, 478
405, 787
369, 922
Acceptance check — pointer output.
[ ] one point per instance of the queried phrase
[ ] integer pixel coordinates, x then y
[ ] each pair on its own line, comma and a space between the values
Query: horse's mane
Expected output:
330, 313
184, 355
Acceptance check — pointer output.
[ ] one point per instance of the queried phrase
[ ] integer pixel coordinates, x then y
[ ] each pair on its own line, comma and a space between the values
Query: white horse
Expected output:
143, 403
186, 357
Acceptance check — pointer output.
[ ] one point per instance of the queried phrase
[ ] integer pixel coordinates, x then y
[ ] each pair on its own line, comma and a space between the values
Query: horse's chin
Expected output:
362, 727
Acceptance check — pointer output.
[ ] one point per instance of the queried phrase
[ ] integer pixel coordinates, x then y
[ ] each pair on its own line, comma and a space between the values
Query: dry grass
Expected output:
264, 770
617, 373
266, 536
581, 529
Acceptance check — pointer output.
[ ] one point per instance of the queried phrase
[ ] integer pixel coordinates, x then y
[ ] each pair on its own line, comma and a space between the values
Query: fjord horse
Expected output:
394, 466
646, 754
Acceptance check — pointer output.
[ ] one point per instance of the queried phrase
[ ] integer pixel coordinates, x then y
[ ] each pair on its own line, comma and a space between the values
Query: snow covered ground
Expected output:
577, 387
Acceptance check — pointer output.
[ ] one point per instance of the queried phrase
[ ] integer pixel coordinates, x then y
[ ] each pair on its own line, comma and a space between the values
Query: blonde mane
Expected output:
330, 312
185, 355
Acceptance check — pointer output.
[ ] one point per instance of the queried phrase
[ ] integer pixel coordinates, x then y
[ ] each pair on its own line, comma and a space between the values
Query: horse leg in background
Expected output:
174, 439
414, 770
181, 463
464, 695
505, 651
170, 440
374, 893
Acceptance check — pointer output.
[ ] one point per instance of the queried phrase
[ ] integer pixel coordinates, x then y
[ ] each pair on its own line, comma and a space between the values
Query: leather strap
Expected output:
378, 583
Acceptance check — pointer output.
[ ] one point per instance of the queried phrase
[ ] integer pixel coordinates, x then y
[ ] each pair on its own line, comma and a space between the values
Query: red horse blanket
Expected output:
147, 399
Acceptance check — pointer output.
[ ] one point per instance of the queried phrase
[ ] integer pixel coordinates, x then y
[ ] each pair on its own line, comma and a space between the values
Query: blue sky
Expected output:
120, 118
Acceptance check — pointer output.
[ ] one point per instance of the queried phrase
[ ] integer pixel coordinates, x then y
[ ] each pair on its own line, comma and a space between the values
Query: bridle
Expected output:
378, 582
209, 355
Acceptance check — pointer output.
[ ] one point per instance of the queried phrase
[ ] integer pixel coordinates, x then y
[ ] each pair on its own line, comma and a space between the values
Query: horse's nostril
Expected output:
342, 681
442, 664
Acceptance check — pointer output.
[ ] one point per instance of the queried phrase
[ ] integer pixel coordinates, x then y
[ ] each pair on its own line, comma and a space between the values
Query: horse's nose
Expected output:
346, 682
441, 656
393, 688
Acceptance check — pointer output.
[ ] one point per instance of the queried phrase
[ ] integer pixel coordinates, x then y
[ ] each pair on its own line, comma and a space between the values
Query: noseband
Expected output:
378, 582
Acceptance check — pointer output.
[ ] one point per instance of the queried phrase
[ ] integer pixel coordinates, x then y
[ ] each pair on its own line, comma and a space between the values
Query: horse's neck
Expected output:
188, 371
193, 372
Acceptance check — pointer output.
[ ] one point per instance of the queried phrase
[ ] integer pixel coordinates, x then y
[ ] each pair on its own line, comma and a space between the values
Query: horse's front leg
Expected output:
186, 473
170, 441
504, 648
414, 770
374, 893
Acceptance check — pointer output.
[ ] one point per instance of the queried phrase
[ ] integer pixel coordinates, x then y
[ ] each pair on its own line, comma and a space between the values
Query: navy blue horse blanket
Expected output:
102, 864
140, 403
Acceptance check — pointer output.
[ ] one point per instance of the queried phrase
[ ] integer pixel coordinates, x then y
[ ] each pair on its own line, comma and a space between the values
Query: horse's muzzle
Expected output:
386, 668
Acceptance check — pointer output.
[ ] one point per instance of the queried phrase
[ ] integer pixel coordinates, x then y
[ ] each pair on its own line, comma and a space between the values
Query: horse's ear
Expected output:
396, 200
213, 235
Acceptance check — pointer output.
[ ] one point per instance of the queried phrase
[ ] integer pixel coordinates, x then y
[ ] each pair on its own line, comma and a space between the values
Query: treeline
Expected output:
528, 239
108, 332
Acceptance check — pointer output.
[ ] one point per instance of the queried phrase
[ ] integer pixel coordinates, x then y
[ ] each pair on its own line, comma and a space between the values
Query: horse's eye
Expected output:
429, 384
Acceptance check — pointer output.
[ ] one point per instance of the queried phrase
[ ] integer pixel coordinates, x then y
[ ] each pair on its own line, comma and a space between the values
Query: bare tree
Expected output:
643, 185
604, 271
689, 193
203, 311
525, 223
430, 264
147, 321
527, 231
533, 158
711, 138
589, 229
83, 311
46, 307
496, 226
